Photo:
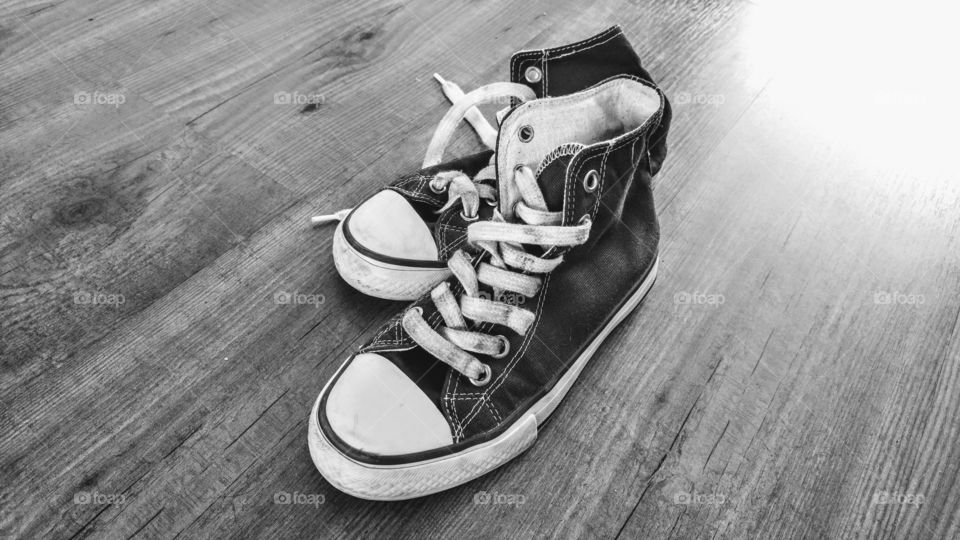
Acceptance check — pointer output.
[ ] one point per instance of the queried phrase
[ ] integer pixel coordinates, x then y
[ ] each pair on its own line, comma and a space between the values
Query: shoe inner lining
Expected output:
600, 114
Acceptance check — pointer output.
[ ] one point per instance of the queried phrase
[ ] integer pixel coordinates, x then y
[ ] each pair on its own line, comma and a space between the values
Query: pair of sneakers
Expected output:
520, 260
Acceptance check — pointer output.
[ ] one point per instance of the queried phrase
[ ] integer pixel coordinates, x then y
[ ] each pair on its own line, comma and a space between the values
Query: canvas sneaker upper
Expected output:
396, 243
533, 290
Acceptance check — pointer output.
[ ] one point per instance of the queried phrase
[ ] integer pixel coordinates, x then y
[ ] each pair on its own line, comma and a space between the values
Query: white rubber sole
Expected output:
410, 480
380, 279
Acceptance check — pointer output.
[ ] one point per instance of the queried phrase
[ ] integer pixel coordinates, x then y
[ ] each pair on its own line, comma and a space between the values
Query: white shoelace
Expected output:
510, 268
455, 182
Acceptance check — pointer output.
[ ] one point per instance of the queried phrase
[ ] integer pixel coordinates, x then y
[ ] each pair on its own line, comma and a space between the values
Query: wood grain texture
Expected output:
794, 372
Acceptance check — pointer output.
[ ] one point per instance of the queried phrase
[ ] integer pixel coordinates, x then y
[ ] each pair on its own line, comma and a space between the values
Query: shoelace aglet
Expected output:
474, 117
316, 221
451, 90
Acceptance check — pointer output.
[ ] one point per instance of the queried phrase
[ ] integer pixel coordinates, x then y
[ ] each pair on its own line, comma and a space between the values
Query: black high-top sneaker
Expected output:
459, 382
396, 243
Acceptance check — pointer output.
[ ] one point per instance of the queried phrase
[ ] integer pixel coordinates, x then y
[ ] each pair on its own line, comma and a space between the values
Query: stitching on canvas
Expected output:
603, 176
528, 338
578, 51
414, 195
605, 35
523, 55
546, 74
494, 412
386, 327
451, 409
456, 414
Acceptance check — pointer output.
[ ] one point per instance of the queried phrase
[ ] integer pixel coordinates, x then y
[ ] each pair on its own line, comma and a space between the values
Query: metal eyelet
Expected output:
418, 309
434, 188
533, 74
525, 133
485, 377
591, 181
585, 219
492, 202
469, 218
504, 348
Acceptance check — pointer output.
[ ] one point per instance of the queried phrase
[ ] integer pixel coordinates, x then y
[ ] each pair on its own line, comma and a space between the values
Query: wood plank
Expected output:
781, 411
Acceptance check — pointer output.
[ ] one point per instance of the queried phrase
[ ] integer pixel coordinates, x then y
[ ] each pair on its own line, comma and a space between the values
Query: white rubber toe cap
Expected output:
376, 408
387, 224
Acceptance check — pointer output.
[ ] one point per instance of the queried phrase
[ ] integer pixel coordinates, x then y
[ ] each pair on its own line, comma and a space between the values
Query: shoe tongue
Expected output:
552, 173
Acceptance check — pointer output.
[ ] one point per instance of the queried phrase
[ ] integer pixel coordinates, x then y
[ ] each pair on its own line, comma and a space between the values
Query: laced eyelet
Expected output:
434, 188
469, 218
418, 309
525, 133
492, 202
591, 181
485, 376
504, 347
584, 219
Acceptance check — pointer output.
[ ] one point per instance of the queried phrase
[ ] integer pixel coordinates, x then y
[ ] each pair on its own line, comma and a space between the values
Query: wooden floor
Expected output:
794, 373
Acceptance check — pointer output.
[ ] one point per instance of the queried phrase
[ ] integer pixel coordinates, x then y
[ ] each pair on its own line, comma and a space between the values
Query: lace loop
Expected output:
447, 305
462, 269
519, 233
456, 113
500, 278
473, 341
482, 310
508, 268
436, 345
